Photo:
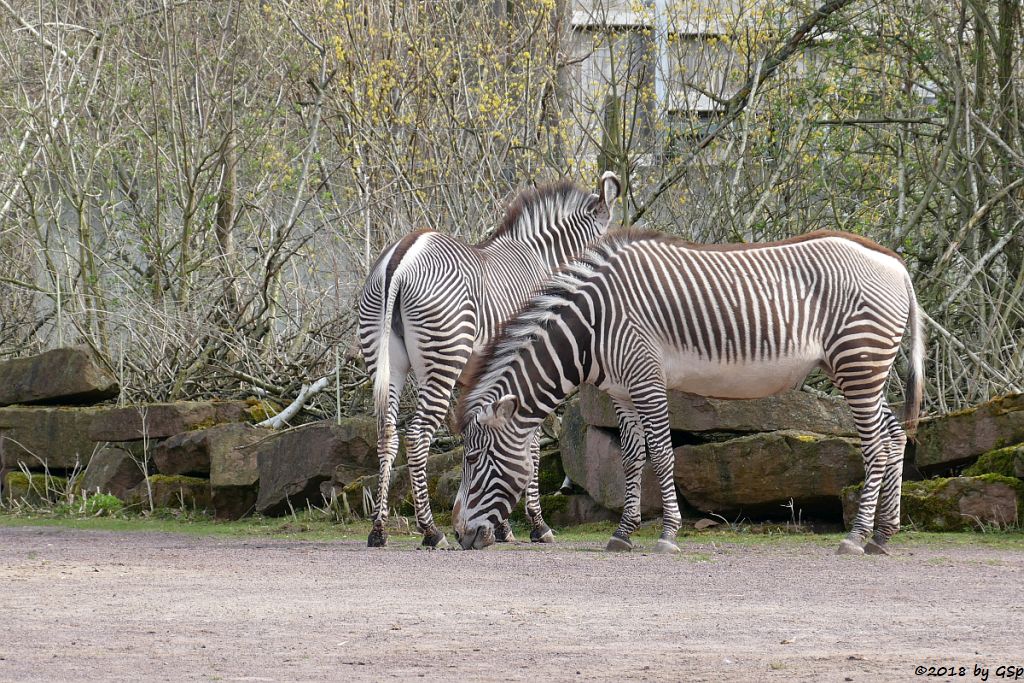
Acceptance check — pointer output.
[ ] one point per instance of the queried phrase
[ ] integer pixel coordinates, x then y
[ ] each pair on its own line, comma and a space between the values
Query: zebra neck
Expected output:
550, 246
556, 359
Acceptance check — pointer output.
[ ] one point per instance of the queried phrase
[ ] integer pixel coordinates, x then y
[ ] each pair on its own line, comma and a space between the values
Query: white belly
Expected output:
753, 379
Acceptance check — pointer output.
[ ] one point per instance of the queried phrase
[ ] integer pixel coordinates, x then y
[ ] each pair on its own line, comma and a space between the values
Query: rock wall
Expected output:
731, 457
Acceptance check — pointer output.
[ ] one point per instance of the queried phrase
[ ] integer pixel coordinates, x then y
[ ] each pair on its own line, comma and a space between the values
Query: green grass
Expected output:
316, 526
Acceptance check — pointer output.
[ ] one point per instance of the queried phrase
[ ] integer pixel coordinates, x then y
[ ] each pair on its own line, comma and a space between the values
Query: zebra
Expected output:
432, 300
639, 313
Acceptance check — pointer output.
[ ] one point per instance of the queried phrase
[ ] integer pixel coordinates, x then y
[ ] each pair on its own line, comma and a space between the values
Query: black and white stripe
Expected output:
431, 301
638, 314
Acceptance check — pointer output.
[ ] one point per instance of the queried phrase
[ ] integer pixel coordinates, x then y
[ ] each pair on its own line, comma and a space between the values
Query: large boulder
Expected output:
114, 471
67, 376
761, 472
955, 439
691, 413
162, 420
293, 464
39, 437
234, 470
592, 459
954, 504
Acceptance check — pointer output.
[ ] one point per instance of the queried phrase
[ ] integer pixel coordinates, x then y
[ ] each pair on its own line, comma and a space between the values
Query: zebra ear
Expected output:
611, 187
497, 414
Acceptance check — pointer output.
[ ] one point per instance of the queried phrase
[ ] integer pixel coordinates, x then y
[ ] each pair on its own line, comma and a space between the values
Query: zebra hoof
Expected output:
848, 547
434, 539
543, 534
618, 545
378, 538
503, 533
874, 548
664, 546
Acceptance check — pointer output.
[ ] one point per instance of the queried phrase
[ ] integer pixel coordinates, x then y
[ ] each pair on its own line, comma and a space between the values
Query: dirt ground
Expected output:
90, 605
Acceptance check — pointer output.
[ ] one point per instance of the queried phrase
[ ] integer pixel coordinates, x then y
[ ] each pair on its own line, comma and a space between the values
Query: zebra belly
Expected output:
747, 379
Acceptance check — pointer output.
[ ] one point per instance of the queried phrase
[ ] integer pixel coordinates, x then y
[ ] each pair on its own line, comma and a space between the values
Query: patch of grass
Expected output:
302, 526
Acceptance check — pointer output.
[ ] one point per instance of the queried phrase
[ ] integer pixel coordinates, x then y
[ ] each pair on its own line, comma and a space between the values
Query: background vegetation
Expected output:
196, 189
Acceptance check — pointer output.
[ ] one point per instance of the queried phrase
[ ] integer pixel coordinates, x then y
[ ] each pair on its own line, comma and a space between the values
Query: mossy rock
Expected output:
950, 441
952, 504
1008, 462
172, 491
34, 488
551, 473
260, 409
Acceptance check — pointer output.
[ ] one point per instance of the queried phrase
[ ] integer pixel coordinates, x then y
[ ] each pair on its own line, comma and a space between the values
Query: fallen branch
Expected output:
305, 393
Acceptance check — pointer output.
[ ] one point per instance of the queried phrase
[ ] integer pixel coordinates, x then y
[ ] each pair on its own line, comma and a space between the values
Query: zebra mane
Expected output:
538, 207
518, 332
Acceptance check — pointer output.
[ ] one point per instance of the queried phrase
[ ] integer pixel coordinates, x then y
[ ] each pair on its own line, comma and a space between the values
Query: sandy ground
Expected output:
89, 605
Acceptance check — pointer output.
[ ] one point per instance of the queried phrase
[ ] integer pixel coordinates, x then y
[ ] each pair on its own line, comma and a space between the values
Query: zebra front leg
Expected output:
539, 531
888, 516
653, 411
631, 437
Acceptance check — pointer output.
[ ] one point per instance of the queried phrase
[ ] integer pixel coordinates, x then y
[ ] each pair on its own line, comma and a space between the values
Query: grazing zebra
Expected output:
432, 300
638, 314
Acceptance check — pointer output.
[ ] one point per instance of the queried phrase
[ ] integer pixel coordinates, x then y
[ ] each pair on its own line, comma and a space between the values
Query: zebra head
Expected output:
496, 469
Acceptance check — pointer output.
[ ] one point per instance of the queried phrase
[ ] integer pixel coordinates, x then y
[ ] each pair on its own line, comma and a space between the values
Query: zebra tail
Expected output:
915, 376
382, 377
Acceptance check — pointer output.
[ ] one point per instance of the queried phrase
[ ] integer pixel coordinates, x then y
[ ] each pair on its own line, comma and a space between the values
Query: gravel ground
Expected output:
90, 605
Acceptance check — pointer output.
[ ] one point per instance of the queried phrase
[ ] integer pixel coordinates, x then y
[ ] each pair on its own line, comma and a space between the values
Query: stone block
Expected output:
32, 488
47, 437
190, 493
292, 465
797, 410
592, 459
573, 510
761, 472
112, 470
162, 420
61, 376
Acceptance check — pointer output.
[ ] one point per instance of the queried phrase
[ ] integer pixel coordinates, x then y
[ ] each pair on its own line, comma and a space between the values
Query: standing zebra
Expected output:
640, 313
432, 300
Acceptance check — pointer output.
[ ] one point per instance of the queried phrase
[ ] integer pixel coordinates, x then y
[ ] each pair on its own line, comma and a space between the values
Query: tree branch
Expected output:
738, 102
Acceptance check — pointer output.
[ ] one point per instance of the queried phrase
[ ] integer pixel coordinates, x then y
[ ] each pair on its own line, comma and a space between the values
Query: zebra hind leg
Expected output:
888, 517
874, 439
387, 449
431, 407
